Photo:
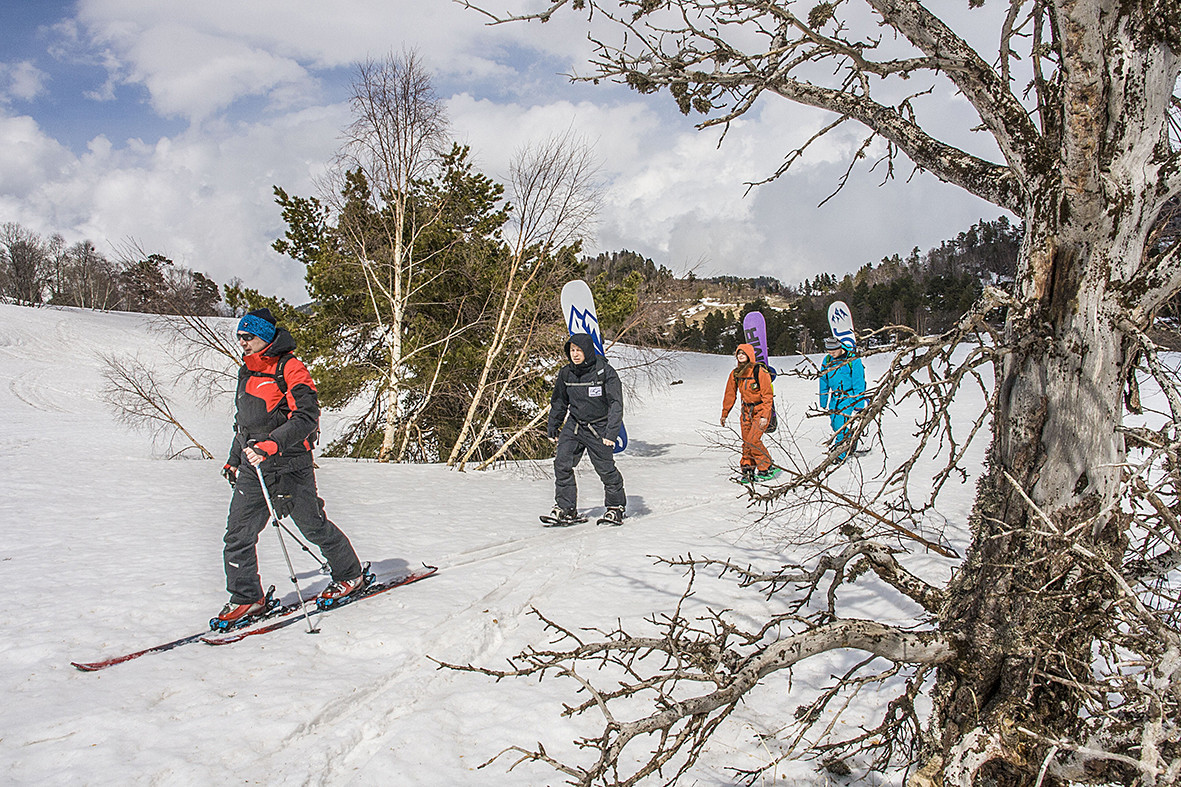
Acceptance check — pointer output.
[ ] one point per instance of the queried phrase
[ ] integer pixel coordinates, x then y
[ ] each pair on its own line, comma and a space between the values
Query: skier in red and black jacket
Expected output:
275, 429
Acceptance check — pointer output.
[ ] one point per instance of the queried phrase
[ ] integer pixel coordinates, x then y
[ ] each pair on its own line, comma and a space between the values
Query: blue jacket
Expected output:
842, 384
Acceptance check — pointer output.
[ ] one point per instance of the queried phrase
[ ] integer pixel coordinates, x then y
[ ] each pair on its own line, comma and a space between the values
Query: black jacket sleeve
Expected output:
559, 403
302, 422
613, 389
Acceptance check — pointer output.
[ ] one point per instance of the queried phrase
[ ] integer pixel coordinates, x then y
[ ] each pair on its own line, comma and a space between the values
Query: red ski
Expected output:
284, 612
369, 591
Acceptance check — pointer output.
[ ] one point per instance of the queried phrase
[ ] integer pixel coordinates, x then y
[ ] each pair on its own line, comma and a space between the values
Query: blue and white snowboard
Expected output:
578, 306
840, 322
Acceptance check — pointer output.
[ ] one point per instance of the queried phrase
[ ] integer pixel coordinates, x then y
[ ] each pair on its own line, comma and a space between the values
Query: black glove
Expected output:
231, 474
282, 496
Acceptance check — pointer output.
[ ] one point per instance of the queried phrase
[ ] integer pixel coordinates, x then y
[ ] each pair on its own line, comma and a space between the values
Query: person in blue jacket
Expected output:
842, 389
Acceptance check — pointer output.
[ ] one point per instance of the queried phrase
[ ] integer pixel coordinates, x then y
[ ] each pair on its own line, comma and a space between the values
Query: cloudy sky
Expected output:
167, 124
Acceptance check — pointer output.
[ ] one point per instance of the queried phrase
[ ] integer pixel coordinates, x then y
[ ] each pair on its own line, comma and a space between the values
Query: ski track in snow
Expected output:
31, 388
403, 692
137, 541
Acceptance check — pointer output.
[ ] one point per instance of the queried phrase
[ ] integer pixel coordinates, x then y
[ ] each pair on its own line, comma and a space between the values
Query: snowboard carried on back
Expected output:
578, 306
754, 332
840, 322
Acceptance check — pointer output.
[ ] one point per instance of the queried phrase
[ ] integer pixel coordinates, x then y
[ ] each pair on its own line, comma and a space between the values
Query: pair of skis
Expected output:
281, 617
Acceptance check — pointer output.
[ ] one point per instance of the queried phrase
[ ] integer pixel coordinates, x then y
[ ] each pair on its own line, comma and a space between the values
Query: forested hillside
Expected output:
926, 292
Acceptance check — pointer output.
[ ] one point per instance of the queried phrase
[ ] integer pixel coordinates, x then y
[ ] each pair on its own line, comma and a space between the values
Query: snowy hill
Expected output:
109, 548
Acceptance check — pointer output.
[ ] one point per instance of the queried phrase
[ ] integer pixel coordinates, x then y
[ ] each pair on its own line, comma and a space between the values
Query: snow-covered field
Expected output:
109, 548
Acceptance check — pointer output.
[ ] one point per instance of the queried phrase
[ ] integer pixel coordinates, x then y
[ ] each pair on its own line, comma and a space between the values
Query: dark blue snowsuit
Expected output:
591, 395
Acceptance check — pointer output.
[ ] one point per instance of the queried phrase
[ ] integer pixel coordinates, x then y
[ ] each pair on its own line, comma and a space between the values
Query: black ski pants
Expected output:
249, 516
575, 440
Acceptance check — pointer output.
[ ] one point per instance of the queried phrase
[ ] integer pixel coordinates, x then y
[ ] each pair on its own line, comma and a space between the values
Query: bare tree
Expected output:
85, 278
140, 402
203, 353
1048, 658
398, 131
24, 264
554, 196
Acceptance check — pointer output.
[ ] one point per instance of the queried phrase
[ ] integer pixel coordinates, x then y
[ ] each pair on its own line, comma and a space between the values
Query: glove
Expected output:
282, 496
552, 433
267, 448
231, 474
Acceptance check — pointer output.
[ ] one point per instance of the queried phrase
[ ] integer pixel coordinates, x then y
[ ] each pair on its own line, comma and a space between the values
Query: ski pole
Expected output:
324, 568
266, 495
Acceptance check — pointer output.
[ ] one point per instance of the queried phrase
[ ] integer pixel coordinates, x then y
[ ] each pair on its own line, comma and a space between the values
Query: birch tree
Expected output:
397, 138
1045, 659
554, 199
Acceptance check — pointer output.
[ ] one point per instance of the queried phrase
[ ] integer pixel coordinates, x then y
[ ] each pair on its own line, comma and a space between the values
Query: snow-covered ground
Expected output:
109, 548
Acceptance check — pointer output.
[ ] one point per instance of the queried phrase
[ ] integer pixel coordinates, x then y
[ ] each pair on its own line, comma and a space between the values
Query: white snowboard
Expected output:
840, 322
578, 305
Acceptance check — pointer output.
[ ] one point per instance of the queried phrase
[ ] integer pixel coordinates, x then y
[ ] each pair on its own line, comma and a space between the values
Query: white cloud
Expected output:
203, 200
262, 84
27, 156
23, 81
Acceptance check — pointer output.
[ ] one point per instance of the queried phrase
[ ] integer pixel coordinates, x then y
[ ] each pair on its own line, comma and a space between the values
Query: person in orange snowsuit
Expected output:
753, 382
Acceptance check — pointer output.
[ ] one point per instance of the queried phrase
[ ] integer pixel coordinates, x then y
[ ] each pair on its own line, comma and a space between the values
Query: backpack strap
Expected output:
280, 380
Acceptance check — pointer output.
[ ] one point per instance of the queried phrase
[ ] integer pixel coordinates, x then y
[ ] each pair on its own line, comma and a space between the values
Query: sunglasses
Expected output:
246, 337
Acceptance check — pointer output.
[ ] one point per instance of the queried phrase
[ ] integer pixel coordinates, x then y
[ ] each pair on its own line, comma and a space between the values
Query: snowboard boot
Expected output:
746, 474
565, 515
612, 516
768, 474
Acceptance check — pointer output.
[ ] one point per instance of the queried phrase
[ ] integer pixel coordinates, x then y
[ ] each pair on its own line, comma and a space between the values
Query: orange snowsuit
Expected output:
753, 382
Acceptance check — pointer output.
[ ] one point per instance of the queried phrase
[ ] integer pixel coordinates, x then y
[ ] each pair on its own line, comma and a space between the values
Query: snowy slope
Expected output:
109, 548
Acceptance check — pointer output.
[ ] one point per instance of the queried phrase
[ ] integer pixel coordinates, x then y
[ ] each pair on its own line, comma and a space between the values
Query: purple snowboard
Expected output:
754, 332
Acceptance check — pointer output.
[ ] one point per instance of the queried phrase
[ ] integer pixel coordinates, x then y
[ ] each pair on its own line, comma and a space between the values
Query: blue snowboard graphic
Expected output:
581, 317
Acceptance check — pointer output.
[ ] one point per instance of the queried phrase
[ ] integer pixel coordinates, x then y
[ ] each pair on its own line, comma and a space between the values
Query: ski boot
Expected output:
342, 590
612, 516
235, 615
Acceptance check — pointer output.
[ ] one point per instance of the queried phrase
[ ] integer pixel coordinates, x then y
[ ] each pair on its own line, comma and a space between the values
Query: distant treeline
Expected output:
35, 270
926, 292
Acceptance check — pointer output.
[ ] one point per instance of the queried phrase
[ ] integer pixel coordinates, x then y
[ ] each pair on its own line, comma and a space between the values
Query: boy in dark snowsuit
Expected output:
589, 391
275, 427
